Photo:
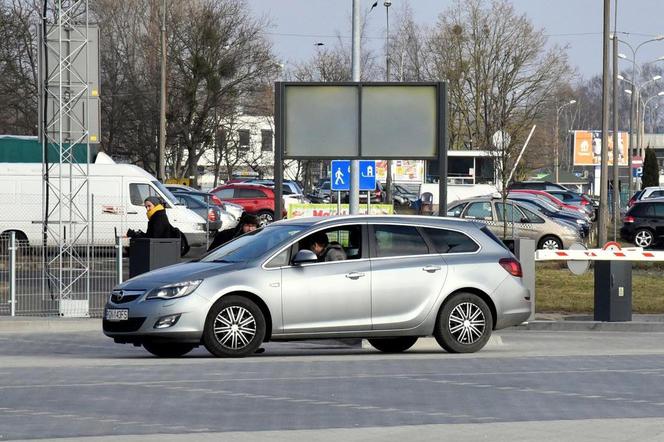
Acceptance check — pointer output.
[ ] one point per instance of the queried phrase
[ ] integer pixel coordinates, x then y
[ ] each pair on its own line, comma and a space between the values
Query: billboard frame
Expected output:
441, 133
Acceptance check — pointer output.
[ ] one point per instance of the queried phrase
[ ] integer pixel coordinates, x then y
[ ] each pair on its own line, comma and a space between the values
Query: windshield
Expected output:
167, 193
534, 207
253, 244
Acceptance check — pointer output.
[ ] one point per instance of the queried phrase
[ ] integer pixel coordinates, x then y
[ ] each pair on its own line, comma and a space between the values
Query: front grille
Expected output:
124, 296
130, 325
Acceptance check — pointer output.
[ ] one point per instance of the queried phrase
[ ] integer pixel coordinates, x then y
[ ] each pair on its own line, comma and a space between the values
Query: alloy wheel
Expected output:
551, 244
643, 238
234, 327
467, 323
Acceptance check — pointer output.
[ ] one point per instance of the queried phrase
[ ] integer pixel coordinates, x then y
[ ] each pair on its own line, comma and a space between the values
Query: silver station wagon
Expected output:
394, 279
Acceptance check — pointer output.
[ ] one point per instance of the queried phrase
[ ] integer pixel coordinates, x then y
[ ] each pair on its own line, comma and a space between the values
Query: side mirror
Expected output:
304, 257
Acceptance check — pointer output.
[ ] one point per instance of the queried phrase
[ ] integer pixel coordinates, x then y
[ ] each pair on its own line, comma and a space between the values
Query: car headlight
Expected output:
198, 226
177, 290
580, 221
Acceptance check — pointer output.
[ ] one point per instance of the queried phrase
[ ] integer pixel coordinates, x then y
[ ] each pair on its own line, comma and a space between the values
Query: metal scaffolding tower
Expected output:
65, 97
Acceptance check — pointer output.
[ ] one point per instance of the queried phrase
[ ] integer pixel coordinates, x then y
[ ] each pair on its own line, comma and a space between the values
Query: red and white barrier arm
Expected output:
626, 254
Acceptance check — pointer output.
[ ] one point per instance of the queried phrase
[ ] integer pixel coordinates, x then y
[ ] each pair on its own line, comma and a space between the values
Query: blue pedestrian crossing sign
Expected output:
340, 175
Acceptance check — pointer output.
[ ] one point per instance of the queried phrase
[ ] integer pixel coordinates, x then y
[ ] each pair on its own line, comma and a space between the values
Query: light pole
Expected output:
632, 110
637, 118
162, 105
388, 178
556, 156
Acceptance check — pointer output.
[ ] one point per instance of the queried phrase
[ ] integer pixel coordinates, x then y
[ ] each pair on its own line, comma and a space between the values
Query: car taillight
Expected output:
512, 266
628, 219
216, 201
630, 203
212, 215
584, 202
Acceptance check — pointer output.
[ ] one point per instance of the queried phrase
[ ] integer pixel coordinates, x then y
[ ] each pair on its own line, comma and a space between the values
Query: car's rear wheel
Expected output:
168, 350
464, 324
234, 328
393, 345
265, 217
644, 238
550, 242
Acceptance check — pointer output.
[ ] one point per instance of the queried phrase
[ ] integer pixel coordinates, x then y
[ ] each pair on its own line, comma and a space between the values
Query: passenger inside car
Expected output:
346, 240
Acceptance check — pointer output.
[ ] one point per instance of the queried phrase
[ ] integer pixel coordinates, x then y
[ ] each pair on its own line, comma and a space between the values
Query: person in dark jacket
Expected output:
326, 250
158, 224
248, 223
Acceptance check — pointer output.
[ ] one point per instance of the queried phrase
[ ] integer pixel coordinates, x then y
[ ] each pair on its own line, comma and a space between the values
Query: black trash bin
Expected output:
147, 254
613, 291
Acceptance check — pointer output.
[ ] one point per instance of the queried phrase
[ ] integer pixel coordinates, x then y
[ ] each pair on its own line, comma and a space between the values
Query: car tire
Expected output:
184, 246
550, 242
454, 331
168, 349
644, 238
265, 217
393, 345
240, 327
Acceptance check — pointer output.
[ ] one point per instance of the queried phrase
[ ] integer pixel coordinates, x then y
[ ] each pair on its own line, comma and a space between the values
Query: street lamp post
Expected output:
556, 156
388, 178
632, 116
636, 99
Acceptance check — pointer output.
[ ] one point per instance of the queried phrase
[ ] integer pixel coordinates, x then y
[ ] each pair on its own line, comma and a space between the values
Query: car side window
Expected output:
659, 210
479, 211
450, 241
225, 194
512, 214
456, 211
656, 194
138, 193
250, 193
348, 237
395, 240
532, 216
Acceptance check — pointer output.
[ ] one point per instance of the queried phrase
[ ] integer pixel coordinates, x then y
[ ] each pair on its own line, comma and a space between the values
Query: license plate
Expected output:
114, 314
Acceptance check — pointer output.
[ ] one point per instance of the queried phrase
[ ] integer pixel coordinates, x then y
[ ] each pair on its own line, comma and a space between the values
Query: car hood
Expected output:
179, 272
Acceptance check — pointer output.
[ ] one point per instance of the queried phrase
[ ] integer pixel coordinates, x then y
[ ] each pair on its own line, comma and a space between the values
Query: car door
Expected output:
406, 276
249, 198
482, 211
659, 220
326, 297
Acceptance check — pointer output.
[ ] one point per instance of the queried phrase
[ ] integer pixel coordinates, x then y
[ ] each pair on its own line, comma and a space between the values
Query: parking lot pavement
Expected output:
82, 385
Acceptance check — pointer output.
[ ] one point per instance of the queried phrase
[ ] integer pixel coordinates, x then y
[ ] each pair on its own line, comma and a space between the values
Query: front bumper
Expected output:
144, 314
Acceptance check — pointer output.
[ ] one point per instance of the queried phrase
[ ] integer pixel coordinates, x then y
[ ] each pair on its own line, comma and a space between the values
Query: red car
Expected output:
254, 198
551, 198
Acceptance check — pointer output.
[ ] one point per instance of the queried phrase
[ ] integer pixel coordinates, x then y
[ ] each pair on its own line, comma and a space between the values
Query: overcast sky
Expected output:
298, 24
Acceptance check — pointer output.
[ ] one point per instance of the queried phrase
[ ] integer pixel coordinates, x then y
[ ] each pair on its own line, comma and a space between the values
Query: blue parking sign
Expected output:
367, 175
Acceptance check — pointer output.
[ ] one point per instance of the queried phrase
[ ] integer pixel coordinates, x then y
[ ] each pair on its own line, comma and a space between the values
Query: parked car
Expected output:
209, 212
254, 198
552, 199
402, 196
535, 185
521, 222
644, 223
268, 286
575, 199
325, 194
544, 206
647, 193
288, 187
180, 188
234, 210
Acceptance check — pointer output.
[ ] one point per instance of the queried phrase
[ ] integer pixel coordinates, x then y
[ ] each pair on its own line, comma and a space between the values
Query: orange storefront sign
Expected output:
588, 148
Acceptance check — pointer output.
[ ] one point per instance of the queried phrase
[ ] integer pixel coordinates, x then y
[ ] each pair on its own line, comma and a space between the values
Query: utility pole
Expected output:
354, 198
604, 185
388, 180
616, 135
162, 112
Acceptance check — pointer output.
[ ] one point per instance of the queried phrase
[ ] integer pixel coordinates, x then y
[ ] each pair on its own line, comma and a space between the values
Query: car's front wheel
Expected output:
234, 328
464, 324
393, 345
643, 238
168, 350
265, 217
550, 242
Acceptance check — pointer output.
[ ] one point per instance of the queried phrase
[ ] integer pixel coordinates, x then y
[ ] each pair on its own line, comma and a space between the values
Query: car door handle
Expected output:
431, 269
354, 275
132, 213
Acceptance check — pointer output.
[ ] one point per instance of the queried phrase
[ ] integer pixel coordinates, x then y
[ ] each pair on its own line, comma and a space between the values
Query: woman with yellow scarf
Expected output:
158, 224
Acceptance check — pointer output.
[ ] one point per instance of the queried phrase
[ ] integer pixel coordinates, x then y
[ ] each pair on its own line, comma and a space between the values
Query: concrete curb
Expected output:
638, 327
48, 324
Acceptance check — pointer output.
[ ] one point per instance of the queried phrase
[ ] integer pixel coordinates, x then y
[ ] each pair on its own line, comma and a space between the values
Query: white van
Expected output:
117, 193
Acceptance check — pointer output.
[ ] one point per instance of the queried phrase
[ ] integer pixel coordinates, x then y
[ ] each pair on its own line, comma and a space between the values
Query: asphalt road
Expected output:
525, 385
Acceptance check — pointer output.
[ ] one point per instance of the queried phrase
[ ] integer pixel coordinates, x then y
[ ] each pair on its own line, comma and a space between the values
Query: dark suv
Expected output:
644, 223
